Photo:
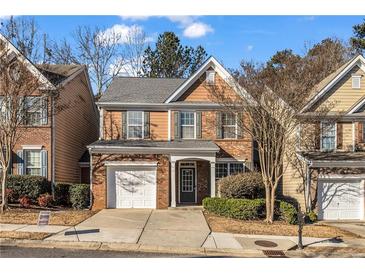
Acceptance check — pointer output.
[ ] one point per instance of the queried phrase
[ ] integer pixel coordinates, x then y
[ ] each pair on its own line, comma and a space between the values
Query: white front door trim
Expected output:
194, 166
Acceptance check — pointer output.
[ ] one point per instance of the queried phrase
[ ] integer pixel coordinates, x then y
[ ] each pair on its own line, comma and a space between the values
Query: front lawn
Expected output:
223, 224
30, 216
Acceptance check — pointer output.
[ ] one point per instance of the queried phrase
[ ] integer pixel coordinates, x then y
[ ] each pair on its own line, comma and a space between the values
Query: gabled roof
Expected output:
57, 73
358, 106
140, 89
331, 80
210, 62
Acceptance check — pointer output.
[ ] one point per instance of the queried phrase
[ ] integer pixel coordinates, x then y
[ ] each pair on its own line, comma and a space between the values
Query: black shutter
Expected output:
124, 125
239, 125
177, 134
146, 125
198, 124
219, 125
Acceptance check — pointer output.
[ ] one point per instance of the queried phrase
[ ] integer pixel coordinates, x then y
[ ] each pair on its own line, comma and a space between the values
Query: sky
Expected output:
229, 38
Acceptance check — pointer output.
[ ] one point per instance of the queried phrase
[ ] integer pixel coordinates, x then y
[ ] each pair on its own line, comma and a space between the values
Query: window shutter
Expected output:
177, 134
146, 125
198, 124
219, 125
124, 125
239, 125
339, 136
44, 119
20, 162
44, 163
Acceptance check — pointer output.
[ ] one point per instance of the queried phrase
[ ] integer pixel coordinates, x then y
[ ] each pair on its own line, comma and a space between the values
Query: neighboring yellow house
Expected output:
333, 169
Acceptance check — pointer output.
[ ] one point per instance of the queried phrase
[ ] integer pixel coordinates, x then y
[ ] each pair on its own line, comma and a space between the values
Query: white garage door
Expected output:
132, 187
340, 200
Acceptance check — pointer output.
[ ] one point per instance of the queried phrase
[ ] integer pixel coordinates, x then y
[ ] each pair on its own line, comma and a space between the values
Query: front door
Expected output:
187, 185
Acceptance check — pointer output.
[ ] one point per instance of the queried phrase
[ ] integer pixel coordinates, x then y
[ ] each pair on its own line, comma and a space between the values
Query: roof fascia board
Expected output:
334, 163
357, 107
359, 61
171, 106
29, 64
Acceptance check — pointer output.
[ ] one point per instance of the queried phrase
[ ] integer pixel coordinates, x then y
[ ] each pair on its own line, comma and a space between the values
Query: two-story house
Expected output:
52, 142
164, 142
333, 171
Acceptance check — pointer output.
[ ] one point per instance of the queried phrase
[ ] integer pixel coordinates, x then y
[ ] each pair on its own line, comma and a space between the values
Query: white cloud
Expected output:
134, 17
121, 32
196, 30
250, 47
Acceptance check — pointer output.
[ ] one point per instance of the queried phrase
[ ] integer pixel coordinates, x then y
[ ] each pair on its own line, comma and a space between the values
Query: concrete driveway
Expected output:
357, 228
182, 228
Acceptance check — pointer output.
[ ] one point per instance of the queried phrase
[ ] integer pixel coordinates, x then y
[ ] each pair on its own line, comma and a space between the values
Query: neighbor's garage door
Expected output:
133, 188
340, 200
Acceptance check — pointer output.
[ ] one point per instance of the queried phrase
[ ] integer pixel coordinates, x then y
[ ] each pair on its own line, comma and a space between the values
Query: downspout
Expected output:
91, 178
53, 141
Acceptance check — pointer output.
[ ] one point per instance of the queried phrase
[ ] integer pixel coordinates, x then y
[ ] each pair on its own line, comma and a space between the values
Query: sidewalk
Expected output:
225, 243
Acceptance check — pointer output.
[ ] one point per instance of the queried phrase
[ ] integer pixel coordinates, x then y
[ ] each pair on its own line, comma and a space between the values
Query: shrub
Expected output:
45, 200
80, 195
242, 209
27, 185
25, 201
247, 185
311, 217
288, 212
61, 194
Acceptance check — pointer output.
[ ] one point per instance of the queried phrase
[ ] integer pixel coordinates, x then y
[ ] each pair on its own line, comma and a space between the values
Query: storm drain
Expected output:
274, 253
264, 243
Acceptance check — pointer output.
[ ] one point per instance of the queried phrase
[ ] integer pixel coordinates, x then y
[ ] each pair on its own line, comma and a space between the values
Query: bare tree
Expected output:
134, 48
270, 96
24, 96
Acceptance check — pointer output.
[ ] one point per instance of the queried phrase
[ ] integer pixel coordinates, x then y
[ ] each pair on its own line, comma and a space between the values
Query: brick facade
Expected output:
99, 177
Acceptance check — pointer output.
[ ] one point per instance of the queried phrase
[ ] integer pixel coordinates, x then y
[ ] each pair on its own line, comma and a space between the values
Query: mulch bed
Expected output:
223, 224
58, 217
23, 235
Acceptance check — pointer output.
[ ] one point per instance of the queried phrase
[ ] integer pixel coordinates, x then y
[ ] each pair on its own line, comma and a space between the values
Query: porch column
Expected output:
212, 179
173, 184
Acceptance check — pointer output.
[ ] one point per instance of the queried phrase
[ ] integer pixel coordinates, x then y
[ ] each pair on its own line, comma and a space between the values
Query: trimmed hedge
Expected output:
27, 185
249, 209
247, 185
242, 209
79, 195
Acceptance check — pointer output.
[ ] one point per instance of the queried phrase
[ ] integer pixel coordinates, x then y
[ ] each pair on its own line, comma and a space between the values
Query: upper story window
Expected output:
328, 136
229, 125
210, 77
35, 111
187, 124
135, 125
356, 81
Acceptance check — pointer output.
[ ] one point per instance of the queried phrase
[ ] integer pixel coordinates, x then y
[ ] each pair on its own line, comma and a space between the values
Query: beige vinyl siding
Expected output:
342, 96
76, 127
159, 125
347, 140
292, 184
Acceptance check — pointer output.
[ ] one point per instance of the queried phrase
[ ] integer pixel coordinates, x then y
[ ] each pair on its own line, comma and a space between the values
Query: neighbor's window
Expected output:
210, 77
229, 168
35, 111
229, 126
328, 135
33, 162
135, 124
356, 81
187, 123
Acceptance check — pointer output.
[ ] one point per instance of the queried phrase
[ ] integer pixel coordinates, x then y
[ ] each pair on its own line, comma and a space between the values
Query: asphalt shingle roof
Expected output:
57, 73
334, 156
140, 89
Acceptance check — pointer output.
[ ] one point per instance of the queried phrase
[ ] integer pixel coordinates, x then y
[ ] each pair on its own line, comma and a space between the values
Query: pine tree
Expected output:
358, 41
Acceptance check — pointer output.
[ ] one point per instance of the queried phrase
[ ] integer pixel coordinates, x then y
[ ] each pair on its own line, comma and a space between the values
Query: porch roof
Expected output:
158, 146
335, 159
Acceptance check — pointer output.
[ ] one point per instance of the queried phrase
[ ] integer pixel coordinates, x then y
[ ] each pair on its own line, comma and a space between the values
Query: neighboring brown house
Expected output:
55, 137
165, 142
334, 165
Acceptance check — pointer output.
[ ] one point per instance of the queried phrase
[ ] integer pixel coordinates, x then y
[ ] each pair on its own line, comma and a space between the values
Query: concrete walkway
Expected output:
357, 228
165, 228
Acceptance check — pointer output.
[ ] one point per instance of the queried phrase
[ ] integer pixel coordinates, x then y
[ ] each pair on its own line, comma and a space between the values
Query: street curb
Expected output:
106, 246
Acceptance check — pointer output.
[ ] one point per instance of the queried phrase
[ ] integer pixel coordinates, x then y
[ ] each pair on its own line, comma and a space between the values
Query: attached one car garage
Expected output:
341, 198
131, 184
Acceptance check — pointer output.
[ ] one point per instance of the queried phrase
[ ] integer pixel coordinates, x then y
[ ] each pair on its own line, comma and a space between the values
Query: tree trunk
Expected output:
272, 204
4, 198
269, 212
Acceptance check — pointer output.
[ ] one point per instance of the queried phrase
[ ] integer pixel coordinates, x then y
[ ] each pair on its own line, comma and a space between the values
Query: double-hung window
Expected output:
228, 168
35, 110
33, 163
187, 124
229, 125
328, 136
135, 124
